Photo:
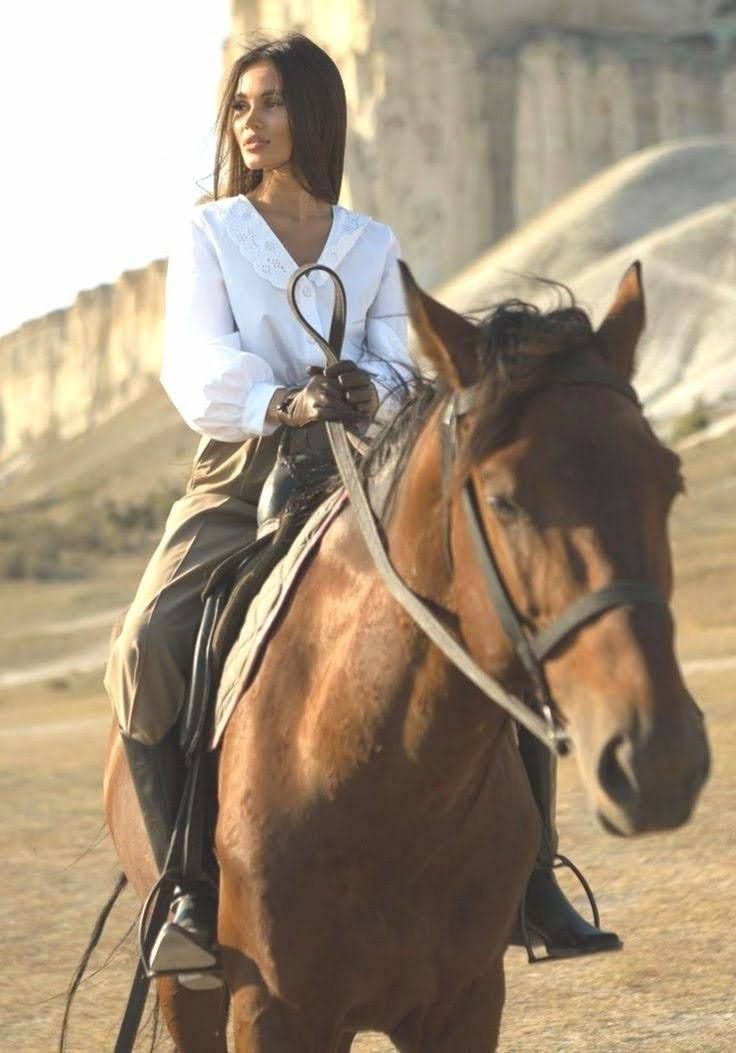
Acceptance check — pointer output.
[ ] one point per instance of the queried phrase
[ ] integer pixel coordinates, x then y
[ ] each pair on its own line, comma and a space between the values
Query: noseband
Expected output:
539, 716
533, 648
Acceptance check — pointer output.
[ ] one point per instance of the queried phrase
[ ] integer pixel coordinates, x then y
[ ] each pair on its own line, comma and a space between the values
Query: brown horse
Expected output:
376, 828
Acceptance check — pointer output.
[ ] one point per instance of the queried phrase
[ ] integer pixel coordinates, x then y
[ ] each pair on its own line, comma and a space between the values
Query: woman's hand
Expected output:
356, 386
341, 392
320, 399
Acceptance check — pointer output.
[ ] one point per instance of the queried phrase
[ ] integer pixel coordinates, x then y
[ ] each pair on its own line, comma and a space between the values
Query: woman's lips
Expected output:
255, 144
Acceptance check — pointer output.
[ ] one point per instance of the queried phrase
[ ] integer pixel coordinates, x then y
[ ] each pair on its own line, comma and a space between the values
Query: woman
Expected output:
240, 368
237, 366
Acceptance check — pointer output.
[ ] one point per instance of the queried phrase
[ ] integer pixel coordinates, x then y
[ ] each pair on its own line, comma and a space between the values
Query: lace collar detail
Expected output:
262, 248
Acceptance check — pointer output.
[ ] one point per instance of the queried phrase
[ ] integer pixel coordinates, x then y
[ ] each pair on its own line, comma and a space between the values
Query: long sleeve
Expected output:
387, 355
221, 390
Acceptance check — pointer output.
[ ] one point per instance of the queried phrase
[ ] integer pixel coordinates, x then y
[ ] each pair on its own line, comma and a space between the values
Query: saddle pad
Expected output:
242, 660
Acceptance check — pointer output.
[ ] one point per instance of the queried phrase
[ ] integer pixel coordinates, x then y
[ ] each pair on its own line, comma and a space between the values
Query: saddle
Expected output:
302, 477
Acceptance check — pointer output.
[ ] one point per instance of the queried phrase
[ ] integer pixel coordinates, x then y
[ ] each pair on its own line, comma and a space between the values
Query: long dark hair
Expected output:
315, 103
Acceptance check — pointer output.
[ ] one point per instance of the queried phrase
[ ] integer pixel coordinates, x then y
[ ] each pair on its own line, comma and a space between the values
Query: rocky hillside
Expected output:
674, 208
467, 118
69, 370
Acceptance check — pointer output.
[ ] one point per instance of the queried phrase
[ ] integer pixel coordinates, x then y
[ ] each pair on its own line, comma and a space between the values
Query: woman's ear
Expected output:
446, 339
619, 332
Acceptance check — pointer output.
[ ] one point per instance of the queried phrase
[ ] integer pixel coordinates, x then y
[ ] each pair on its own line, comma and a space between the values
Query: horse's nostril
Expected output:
615, 770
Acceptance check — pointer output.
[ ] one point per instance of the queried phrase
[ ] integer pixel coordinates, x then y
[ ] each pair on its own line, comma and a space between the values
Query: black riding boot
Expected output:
187, 942
549, 916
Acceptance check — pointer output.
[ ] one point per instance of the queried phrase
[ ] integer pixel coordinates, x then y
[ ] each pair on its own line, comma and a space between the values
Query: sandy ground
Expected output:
670, 897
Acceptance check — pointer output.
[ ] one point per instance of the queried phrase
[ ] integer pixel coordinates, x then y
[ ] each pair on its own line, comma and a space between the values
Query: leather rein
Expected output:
539, 717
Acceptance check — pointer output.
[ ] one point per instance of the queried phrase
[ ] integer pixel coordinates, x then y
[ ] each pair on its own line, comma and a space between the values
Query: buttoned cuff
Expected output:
253, 419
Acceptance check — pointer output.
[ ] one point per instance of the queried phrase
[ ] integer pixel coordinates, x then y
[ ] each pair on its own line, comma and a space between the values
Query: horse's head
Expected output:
572, 491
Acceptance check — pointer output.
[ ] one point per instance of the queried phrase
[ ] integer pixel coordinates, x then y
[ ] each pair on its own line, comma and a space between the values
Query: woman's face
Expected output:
260, 121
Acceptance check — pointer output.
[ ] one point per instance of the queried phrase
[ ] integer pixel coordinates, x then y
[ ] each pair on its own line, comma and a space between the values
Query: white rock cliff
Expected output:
467, 119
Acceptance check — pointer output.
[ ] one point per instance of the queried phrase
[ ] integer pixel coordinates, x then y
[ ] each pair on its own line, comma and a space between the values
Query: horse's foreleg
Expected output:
264, 1024
196, 1020
261, 1024
469, 1024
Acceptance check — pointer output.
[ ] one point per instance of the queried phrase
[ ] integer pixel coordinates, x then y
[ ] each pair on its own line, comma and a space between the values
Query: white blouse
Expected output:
231, 338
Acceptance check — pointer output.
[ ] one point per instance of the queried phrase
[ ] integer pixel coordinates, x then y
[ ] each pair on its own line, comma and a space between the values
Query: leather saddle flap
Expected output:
273, 597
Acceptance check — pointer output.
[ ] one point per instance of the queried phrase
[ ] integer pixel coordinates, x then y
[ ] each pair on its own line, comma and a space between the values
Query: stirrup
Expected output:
559, 862
205, 971
175, 944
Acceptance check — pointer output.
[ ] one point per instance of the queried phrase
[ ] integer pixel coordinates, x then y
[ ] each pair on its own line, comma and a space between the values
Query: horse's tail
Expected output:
94, 939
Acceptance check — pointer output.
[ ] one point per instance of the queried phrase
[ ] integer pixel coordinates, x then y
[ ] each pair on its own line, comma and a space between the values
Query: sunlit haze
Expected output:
108, 111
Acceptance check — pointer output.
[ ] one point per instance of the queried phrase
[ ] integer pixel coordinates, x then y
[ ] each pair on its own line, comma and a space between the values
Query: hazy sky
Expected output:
107, 114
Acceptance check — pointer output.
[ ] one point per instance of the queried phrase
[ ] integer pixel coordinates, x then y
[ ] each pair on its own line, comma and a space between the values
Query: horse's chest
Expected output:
385, 917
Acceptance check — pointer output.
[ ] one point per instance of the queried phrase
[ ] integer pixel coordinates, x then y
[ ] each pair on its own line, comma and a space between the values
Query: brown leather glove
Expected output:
356, 386
342, 392
321, 398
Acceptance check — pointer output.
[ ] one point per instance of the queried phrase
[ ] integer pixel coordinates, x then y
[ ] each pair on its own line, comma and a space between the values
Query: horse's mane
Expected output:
517, 349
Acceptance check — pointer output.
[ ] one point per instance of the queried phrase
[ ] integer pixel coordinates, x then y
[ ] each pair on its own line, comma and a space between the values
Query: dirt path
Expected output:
670, 897
709, 665
85, 661
98, 620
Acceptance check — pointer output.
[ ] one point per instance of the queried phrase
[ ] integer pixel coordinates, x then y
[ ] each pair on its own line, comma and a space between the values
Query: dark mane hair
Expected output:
317, 109
518, 348
521, 347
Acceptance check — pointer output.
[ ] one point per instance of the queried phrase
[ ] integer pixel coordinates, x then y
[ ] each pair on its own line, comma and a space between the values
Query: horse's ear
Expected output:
447, 339
620, 330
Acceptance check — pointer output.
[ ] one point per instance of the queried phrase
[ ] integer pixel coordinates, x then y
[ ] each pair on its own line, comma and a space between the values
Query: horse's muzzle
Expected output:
650, 778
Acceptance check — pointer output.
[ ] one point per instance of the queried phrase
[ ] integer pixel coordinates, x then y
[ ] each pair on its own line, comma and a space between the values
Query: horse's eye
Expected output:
506, 509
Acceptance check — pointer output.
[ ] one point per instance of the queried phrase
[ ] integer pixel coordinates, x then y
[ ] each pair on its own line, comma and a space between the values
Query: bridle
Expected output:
539, 716
533, 648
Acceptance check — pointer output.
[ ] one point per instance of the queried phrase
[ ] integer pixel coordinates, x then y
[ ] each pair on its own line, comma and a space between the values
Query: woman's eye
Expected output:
506, 509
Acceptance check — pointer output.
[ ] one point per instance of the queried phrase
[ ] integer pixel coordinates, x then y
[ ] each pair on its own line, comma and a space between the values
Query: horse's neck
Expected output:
382, 481
449, 724
414, 520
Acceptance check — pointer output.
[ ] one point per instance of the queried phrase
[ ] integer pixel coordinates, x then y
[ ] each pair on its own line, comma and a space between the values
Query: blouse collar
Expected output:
267, 254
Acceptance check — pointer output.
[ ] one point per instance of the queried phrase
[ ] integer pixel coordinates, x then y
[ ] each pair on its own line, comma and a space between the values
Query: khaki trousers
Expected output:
150, 661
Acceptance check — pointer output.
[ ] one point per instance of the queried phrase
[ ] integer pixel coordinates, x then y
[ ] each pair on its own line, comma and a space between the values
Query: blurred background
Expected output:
561, 138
